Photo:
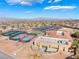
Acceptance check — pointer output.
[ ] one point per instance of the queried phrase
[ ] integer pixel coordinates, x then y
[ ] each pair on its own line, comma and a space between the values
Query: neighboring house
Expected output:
53, 41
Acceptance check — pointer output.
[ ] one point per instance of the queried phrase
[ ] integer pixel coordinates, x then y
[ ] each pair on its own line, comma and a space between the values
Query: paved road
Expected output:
4, 56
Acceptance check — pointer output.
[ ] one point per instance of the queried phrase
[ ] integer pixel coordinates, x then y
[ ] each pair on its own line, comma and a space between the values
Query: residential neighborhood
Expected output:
42, 42
39, 29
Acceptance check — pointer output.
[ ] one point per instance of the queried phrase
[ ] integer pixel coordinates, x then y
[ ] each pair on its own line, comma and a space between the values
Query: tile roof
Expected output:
55, 35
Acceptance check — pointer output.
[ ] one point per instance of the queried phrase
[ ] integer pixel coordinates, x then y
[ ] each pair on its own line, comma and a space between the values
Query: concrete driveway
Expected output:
5, 56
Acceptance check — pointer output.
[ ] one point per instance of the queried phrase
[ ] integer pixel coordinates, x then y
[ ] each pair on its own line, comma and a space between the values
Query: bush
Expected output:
75, 43
76, 35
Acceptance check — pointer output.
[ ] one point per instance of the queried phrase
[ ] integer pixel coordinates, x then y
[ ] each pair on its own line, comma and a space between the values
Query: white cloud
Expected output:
59, 7
57, 0
50, 1
26, 3
13, 1
40, 1
23, 2
28, 12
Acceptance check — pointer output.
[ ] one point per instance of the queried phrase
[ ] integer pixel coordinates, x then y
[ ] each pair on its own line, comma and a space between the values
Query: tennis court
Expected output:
19, 36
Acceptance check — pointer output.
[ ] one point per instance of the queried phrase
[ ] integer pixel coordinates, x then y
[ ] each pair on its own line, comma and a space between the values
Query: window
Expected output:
60, 42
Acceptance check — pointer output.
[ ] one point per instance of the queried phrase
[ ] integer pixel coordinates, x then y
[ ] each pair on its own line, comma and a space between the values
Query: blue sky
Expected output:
39, 8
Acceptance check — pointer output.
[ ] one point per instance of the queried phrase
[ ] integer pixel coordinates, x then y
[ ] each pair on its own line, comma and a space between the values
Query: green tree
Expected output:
75, 43
76, 34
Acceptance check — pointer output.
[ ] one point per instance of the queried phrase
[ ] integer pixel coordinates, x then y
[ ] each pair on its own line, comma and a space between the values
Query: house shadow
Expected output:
70, 57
